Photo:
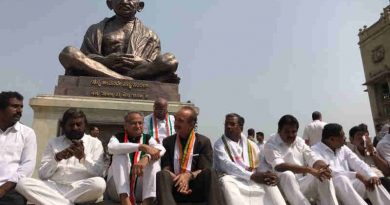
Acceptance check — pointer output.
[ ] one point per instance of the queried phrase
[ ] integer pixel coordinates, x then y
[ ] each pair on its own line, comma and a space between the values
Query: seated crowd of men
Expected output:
161, 158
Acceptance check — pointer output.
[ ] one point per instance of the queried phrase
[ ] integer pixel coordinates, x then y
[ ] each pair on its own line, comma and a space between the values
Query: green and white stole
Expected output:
247, 159
134, 159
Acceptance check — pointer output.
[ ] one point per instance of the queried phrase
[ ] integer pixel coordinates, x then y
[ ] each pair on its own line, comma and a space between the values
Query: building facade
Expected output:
374, 42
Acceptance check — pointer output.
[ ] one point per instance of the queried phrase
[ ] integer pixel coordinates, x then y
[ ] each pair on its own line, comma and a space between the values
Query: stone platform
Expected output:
113, 88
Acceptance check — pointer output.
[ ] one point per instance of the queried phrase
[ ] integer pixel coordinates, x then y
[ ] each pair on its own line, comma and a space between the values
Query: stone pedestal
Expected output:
106, 113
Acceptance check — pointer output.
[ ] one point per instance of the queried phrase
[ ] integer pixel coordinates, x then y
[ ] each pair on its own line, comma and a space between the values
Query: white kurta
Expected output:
18, 150
237, 186
345, 164
161, 126
119, 171
67, 181
297, 188
313, 131
383, 148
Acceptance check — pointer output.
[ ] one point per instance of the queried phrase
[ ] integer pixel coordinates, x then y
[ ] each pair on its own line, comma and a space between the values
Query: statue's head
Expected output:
125, 8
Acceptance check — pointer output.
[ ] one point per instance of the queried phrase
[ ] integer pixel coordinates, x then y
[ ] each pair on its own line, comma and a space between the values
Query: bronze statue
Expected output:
121, 47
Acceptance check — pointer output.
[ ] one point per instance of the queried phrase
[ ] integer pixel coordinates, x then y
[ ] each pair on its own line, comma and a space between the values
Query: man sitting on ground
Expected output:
71, 167
353, 179
134, 163
302, 174
365, 150
186, 174
18, 148
243, 180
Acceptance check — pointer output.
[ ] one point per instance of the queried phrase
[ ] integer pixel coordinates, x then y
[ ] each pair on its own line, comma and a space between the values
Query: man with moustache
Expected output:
365, 150
245, 179
18, 148
186, 174
71, 167
132, 174
159, 124
353, 178
302, 175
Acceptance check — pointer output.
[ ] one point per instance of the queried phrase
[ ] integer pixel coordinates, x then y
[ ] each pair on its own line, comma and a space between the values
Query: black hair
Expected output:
73, 113
331, 130
260, 133
240, 119
251, 131
288, 120
354, 130
6, 95
316, 115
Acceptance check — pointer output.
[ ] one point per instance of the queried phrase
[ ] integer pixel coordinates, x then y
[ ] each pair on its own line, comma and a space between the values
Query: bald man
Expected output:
159, 124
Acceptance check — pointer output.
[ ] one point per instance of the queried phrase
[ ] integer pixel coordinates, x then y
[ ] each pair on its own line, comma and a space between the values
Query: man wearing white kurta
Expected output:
18, 148
301, 173
313, 131
71, 167
237, 158
383, 149
353, 179
134, 155
159, 124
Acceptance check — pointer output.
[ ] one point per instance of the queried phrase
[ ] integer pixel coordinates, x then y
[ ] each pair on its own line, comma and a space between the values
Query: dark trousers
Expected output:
12, 198
204, 189
386, 183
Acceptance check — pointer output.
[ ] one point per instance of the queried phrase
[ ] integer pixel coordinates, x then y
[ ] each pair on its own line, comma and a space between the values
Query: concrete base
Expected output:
106, 113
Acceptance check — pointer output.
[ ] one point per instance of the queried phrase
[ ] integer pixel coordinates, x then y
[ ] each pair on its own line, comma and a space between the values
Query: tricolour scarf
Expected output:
134, 159
183, 158
153, 127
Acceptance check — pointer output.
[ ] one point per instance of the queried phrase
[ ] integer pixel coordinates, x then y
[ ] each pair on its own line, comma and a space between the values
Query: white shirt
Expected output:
368, 160
161, 126
383, 148
261, 146
70, 170
116, 147
313, 131
277, 152
223, 163
18, 151
343, 161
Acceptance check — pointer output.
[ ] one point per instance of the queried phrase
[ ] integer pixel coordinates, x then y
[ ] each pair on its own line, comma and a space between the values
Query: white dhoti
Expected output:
353, 192
119, 179
243, 192
298, 191
49, 192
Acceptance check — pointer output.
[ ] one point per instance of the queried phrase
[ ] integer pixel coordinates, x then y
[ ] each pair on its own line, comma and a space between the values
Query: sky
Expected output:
260, 59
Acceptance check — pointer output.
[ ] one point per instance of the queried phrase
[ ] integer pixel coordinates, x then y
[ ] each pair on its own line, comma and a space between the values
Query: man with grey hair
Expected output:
132, 174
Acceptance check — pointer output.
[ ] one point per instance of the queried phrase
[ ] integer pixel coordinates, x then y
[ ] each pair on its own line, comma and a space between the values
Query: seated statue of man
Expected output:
121, 47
